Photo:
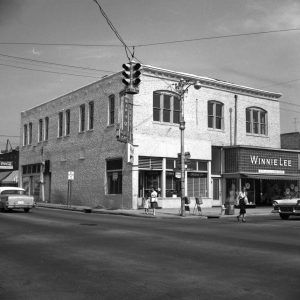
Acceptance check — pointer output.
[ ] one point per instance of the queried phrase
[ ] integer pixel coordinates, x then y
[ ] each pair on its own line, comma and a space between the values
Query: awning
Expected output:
263, 176
11, 177
3, 175
271, 176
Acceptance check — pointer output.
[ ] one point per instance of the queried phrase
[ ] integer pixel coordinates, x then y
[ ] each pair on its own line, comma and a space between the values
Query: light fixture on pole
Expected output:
181, 88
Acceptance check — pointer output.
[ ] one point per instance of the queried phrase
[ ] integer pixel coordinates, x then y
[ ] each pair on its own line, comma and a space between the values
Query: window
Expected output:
40, 131
25, 135
30, 134
256, 120
166, 107
91, 115
114, 176
46, 129
67, 122
60, 124
82, 118
111, 110
215, 115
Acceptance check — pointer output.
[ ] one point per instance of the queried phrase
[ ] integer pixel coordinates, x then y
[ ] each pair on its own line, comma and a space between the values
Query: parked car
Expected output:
287, 207
15, 197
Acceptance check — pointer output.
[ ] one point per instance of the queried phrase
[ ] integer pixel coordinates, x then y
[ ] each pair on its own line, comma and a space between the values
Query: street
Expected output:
56, 254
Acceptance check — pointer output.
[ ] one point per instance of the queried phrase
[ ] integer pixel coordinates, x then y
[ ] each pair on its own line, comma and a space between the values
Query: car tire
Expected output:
26, 209
284, 216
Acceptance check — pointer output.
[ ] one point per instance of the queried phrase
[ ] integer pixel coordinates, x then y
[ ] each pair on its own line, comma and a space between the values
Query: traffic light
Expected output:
126, 74
131, 77
136, 75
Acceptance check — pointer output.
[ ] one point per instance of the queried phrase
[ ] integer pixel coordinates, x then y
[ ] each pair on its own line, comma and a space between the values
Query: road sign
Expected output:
71, 175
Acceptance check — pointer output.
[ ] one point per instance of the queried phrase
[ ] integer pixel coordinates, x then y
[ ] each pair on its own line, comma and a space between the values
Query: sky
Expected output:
47, 47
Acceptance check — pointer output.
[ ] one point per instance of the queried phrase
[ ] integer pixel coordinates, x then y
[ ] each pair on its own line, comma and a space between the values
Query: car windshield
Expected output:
12, 192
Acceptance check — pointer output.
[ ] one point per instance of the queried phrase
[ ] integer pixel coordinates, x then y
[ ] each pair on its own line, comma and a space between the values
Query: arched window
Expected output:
256, 120
215, 110
166, 107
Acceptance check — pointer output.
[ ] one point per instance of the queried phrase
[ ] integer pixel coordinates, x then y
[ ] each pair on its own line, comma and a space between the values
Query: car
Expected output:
15, 197
287, 207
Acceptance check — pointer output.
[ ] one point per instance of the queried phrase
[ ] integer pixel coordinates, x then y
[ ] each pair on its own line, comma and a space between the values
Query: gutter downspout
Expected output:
235, 119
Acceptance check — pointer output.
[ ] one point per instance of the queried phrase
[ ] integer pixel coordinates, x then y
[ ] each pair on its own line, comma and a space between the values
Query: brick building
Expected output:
77, 133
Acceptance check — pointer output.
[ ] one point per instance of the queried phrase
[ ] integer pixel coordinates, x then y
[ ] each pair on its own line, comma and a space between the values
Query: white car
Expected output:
15, 197
287, 207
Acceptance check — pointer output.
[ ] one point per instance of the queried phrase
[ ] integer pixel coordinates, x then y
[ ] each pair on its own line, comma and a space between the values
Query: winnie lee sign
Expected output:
256, 160
252, 160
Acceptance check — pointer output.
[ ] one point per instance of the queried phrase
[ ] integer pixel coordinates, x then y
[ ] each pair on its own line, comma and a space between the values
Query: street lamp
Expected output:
181, 88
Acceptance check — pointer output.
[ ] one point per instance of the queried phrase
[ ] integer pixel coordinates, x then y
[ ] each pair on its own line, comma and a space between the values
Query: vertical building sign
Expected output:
126, 118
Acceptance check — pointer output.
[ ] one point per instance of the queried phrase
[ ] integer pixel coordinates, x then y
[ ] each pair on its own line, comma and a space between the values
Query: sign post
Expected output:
70, 179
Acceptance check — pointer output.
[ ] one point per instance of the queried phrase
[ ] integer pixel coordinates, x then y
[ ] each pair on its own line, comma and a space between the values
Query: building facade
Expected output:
71, 150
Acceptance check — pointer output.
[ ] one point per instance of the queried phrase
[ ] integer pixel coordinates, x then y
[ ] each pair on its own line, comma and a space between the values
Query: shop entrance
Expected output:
147, 180
262, 192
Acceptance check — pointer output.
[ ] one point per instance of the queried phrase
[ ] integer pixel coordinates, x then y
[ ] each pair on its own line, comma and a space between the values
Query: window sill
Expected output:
90, 130
81, 132
257, 135
216, 130
165, 123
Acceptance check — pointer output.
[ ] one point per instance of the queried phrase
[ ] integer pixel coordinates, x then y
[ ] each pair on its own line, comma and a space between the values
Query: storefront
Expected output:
164, 176
267, 174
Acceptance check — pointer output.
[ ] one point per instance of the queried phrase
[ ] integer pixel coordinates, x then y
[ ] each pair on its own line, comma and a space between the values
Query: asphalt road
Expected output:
54, 254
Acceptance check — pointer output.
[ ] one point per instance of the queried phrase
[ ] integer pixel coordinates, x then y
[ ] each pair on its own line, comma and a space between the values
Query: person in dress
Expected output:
153, 200
242, 201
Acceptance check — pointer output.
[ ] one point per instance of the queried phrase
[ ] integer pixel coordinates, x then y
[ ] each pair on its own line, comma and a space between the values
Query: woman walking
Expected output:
242, 201
153, 200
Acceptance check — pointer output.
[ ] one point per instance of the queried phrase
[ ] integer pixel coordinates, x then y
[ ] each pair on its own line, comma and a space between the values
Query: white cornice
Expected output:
209, 83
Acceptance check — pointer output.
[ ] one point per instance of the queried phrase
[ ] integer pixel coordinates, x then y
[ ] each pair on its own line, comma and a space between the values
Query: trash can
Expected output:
229, 208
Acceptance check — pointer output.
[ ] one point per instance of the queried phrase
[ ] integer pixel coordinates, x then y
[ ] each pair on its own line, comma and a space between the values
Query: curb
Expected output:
165, 215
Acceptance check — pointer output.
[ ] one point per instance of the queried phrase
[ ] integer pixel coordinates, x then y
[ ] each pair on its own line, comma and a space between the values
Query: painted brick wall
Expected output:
84, 153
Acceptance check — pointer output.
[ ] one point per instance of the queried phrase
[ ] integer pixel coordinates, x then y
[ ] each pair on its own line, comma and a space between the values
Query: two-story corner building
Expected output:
75, 135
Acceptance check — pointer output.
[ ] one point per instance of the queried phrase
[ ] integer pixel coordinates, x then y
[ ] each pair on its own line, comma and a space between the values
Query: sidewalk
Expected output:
211, 212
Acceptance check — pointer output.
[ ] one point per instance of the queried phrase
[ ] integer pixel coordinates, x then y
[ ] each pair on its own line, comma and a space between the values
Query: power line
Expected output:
45, 71
114, 30
217, 37
59, 44
55, 64
280, 83
152, 44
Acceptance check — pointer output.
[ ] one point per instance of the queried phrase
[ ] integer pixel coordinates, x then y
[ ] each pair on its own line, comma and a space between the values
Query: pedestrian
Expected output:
153, 200
242, 202
146, 204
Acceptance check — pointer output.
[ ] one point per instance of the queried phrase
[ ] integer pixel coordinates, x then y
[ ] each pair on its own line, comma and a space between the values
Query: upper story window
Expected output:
40, 131
30, 134
111, 110
60, 124
215, 112
166, 107
91, 115
256, 120
25, 135
82, 118
67, 122
46, 136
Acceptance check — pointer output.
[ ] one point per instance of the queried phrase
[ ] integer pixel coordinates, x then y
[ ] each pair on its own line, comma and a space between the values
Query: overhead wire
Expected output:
47, 71
114, 30
55, 64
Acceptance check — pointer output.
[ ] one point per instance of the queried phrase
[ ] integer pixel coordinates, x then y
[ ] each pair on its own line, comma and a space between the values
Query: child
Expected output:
146, 205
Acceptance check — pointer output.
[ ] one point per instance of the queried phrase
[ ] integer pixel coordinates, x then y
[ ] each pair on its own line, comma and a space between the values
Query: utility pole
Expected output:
181, 88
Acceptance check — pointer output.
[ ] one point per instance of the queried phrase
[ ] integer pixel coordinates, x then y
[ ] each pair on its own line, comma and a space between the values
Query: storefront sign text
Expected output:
7, 165
256, 160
